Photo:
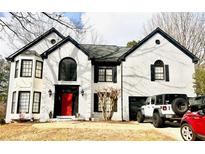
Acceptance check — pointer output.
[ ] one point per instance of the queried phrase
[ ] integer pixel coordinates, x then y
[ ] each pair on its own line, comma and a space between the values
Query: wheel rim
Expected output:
187, 133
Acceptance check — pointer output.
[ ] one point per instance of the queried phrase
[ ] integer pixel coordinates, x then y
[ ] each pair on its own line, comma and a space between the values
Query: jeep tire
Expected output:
180, 106
140, 117
157, 120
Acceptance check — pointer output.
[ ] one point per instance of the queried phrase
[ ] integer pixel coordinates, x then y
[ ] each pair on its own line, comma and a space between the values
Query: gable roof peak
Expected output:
166, 36
62, 42
36, 40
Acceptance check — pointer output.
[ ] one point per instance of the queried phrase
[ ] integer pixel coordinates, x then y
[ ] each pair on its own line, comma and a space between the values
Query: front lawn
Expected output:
75, 130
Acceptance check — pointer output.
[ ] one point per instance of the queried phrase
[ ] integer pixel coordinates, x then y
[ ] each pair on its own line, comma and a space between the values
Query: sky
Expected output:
118, 28
113, 28
1, 14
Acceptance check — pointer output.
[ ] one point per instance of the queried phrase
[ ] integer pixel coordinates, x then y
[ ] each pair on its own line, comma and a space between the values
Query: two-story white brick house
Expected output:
56, 76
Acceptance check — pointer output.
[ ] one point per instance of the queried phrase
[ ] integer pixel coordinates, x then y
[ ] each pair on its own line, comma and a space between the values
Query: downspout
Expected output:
122, 91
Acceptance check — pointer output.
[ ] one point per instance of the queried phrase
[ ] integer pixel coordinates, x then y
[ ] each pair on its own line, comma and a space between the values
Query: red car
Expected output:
193, 124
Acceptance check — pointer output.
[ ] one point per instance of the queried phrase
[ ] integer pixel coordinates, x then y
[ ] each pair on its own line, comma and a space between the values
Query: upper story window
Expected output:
159, 71
39, 69
105, 74
26, 68
16, 69
68, 69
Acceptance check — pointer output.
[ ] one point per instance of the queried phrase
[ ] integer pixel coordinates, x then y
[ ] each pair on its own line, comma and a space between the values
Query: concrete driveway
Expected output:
170, 129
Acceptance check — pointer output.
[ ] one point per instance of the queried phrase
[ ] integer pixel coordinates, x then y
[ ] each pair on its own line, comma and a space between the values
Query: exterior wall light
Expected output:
82, 92
50, 93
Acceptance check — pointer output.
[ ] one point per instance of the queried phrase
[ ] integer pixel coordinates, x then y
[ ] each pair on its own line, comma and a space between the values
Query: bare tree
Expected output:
20, 28
186, 27
107, 101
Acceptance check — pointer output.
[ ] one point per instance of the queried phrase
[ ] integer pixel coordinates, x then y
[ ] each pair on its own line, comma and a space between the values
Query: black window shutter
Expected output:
167, 72
95, 103
95, 73
152, 72
114, 74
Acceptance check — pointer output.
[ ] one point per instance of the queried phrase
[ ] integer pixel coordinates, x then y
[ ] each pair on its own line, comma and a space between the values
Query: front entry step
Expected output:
66, 117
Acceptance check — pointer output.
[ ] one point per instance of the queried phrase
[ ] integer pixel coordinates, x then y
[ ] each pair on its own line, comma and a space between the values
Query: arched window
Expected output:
159, 70
68, 70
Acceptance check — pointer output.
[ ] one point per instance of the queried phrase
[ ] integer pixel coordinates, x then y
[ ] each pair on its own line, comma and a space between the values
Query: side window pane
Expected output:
152, 100
101, 74
39, 68
159, 100
16, 69
13, 102
109, 74
36, 102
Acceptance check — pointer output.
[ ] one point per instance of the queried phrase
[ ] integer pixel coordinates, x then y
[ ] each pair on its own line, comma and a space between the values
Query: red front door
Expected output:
66, 108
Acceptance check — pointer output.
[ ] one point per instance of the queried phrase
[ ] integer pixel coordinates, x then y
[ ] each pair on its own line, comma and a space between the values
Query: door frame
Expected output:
59, 89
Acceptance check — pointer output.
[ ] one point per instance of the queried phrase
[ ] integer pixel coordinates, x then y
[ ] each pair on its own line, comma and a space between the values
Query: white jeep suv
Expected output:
163, 107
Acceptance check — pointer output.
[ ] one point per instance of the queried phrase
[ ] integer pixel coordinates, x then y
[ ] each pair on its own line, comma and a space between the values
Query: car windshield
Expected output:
170, 97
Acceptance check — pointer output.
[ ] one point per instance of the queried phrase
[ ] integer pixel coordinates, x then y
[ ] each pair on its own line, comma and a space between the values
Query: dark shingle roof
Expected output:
105, 52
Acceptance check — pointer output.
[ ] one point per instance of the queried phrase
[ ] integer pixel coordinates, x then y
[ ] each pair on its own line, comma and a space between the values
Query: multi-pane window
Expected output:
159, 73
39, 68
23, 101
13, 102
159, 70
104, 74
16, 69
26, 68
36, 102
68, 70
101, 75
109, 74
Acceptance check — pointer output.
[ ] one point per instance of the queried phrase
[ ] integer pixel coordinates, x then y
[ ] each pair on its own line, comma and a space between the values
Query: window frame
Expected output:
38, 61
39, 103
21, 73
159, 73
16, 69
105, 73
59, 69
13, 103
19, 93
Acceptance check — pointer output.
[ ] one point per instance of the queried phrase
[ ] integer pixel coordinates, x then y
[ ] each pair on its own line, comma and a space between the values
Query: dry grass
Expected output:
83, 131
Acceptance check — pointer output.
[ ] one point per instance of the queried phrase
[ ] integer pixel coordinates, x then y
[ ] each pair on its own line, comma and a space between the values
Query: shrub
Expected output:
108, 99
